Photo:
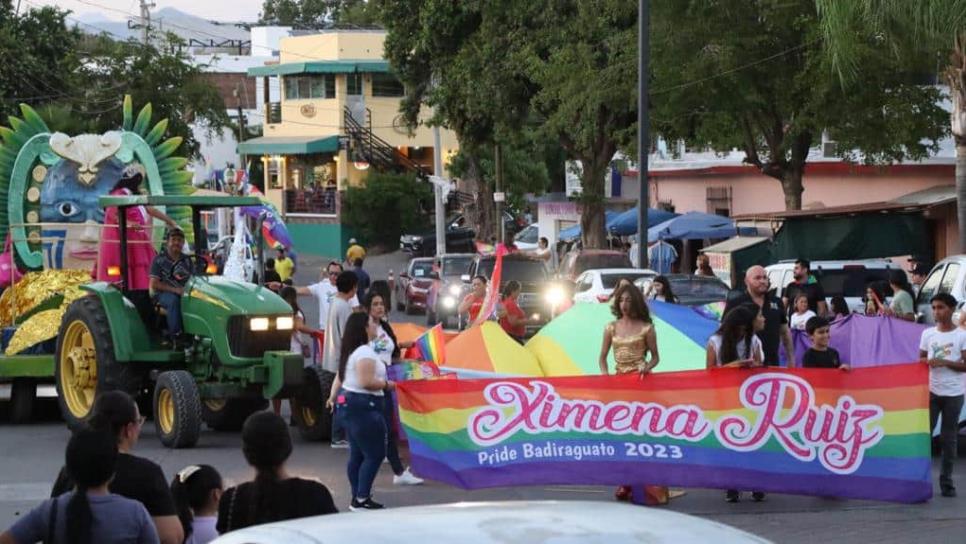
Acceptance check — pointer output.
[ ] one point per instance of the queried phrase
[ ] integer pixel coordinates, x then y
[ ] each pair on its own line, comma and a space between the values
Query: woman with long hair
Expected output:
903, 305
197, 489
365, 382
839, 307
703, 267
634, 341
273, 495
660, 289
472, 303
90, 514
513, 320
140, 248
387, 347
116, 413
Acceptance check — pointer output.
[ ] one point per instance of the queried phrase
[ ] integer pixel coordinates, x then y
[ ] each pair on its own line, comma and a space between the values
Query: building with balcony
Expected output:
337, 119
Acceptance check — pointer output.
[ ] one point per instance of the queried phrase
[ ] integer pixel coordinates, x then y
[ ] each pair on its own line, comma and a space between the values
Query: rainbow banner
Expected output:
862, 434
430, 346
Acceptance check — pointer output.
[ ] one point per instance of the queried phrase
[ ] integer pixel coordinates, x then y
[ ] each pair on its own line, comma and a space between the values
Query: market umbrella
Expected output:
487, 349
570, 344
696, 226
625, 224
573, 232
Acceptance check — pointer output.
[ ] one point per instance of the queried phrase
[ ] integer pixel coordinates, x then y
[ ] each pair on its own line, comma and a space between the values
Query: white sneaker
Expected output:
407, 478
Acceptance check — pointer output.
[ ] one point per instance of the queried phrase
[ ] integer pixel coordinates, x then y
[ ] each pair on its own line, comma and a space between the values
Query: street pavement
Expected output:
32, 455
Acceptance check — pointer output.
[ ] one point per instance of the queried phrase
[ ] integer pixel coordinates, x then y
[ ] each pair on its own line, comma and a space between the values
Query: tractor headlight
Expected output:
285, 323
454, 290
449, 302
555, 295
258, 324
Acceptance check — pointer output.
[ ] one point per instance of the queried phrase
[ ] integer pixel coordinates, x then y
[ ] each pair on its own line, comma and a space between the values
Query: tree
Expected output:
392, 198
905, 29
317, 13
730, 74
39, 55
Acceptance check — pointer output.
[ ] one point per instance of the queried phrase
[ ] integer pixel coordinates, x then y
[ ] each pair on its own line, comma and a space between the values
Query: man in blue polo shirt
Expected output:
170, 272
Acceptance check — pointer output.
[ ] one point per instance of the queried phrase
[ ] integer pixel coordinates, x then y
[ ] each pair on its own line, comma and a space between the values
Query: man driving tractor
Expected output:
170, 271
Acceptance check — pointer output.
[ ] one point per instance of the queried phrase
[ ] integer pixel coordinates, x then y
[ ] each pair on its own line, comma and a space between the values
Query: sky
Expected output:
219, 10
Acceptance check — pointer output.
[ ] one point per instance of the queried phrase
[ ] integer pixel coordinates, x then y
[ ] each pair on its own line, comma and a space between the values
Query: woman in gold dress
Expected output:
635, 351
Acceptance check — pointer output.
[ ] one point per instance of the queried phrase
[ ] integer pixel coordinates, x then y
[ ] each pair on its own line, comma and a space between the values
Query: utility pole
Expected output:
146, 21
643, 125
438, 193
241, 128
498, 195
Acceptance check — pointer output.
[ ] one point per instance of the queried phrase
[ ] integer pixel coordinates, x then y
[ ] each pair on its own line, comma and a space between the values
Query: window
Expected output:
387, 85
309, 86
584, 283
354, 84
930, 286
949, 278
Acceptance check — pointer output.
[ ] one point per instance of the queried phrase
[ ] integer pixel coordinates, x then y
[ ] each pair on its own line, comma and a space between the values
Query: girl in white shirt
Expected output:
363, 377
802, 313
735, 343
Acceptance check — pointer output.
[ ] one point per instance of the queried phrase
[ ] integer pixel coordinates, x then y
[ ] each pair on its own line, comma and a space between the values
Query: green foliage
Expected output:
317, 13
388, 206
755, 77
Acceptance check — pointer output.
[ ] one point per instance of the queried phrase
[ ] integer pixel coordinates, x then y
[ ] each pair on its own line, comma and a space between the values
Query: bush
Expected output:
388, 206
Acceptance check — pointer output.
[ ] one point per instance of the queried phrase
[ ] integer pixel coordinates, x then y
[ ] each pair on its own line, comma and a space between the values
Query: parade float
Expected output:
89, 337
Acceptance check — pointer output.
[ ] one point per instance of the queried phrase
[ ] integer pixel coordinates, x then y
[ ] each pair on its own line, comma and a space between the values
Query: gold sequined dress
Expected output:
629, 351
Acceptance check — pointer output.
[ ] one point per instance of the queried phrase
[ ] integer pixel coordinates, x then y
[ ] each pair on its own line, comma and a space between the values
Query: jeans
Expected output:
366, 428
172, 306
949, 408
392, 437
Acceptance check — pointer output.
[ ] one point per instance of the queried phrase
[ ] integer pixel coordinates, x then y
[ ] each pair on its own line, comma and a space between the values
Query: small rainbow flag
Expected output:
430, 346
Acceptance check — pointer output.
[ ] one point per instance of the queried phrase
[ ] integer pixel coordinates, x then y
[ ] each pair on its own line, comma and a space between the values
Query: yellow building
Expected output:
337, 119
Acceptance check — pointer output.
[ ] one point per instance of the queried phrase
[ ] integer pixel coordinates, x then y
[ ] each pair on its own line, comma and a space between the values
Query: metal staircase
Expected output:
375, 150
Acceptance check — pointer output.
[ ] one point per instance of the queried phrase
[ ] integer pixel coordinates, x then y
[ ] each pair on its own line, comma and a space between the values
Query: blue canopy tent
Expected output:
573, 232
697, 226
626, 223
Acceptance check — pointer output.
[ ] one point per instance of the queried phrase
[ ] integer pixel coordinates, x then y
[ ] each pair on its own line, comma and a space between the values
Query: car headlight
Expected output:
285, 323
258, 324
449, 303
555, 296
417, 238
454, 290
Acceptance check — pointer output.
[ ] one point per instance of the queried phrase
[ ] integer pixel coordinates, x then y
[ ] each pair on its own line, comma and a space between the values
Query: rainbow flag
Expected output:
430, 346
861, 434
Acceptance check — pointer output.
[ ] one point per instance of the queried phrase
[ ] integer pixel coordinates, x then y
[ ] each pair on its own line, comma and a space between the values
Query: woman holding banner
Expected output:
634, 341
387, 347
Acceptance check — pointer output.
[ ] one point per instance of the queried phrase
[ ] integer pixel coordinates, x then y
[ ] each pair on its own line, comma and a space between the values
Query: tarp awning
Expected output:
625, 224
696, 226
289, 145
320, 67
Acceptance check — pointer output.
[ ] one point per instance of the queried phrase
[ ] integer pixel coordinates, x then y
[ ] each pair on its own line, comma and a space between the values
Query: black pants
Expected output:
949, 408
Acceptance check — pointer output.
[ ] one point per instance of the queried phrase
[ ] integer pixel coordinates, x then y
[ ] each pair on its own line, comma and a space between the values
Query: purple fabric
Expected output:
868, 341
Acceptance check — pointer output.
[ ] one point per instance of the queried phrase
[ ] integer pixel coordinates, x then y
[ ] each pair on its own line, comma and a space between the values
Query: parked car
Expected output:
536, 293
691, 290
446, 292
576, 261
459, 237
555, 522
527, 239
413, 284
597, 285
948, 276
847, 279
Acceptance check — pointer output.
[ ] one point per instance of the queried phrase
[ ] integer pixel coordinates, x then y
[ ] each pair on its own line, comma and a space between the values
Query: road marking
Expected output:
25, 492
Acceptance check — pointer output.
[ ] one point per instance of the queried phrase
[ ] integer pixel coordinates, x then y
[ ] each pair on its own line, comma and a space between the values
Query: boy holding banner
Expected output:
943, 348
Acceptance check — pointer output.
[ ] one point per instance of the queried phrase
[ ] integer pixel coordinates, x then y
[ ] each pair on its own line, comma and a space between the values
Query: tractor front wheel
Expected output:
229, 414
313, 418
177, 409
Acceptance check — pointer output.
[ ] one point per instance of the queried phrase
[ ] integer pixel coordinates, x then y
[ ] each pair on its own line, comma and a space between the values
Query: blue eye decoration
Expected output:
67, 209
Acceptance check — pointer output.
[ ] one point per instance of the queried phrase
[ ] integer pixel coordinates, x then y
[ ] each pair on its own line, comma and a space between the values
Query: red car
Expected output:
413, 285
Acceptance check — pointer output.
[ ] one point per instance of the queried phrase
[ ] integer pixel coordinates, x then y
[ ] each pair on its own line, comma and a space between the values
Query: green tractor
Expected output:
238, 357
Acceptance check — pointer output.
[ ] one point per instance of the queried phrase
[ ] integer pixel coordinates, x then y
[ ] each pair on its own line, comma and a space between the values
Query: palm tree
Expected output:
908, 28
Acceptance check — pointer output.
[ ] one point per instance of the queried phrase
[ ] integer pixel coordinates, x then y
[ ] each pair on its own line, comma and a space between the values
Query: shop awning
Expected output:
320, 67
289, 145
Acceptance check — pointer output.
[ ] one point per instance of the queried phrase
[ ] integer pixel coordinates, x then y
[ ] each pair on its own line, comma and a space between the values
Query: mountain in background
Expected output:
175, 21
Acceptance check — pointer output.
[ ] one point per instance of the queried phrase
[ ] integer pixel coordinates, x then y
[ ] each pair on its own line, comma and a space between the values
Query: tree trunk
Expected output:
484, 207
956, 78
592, 200
961, 191
792, 188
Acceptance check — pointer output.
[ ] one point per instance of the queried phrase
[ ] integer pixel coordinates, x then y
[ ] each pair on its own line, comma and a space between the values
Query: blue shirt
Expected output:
364, 283
662, 256
117, 520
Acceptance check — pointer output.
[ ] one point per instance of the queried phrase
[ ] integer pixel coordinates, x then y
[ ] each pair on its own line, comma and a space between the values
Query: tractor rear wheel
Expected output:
313, 418
84, 364
177, 409
229, 414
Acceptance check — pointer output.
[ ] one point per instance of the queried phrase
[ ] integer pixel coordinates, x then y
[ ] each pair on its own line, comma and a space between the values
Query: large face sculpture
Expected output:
70, 214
